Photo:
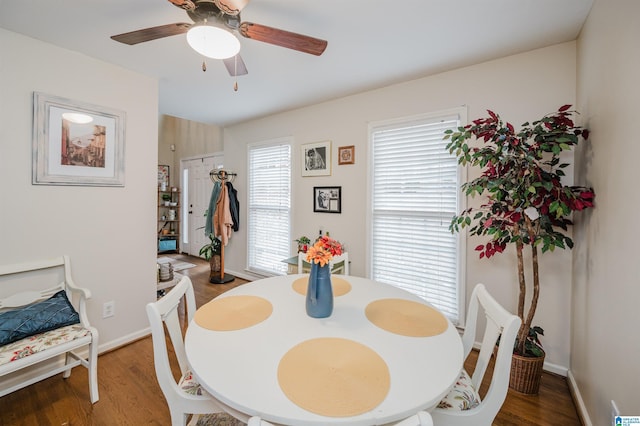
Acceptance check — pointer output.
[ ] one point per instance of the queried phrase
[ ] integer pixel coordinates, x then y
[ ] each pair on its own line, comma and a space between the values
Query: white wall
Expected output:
605, 347
109, 233
521, 88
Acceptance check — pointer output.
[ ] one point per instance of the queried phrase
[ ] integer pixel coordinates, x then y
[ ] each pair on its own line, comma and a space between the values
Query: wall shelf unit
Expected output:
169, 221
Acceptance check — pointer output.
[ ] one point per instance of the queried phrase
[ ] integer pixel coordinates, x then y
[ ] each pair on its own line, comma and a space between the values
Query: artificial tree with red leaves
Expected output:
527, 204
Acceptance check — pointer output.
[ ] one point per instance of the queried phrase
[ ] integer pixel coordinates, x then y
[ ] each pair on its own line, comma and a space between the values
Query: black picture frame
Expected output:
327, 199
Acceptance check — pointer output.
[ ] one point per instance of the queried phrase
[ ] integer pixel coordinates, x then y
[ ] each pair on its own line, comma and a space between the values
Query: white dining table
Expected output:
240, 368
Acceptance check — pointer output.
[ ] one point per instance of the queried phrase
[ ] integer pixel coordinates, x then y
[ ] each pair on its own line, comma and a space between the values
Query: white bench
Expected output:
26, 287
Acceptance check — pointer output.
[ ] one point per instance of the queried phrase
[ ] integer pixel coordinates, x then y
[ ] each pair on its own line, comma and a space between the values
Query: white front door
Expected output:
197, 187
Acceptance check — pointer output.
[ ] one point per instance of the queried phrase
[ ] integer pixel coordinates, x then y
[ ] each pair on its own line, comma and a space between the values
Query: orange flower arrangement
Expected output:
323, 250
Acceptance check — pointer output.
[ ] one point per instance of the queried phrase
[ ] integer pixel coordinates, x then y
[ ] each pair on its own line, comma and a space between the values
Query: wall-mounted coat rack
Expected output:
223, 177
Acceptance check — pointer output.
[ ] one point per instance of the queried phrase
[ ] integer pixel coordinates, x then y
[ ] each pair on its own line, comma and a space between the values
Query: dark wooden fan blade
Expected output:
184, 4
283, 38
230, 7
235, 67
153, 33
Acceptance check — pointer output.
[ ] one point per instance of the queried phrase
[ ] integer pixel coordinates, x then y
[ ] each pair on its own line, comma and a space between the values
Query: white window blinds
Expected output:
415, 193
269, 206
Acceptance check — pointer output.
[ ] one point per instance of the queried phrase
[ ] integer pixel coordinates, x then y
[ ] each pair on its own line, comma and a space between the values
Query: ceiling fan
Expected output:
225, 14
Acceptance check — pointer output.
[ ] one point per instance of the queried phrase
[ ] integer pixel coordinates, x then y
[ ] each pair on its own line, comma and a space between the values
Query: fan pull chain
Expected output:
235, 72
204, 63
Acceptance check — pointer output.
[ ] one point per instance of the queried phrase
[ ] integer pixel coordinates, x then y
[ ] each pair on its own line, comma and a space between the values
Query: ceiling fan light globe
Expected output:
213, 42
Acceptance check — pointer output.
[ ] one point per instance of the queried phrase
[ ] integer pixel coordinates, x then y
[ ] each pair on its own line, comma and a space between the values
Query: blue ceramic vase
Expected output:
319, 301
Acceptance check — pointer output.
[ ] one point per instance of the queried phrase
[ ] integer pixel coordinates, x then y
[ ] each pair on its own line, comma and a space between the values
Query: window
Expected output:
269, 206
415, 190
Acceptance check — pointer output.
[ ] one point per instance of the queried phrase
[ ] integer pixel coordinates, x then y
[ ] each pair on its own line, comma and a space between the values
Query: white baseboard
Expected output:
124, 340
577, 398
245, 276
556, 369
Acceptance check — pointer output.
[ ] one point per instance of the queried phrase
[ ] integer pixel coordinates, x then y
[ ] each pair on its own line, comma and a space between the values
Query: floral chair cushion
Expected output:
189, 384
40, 342
463, 396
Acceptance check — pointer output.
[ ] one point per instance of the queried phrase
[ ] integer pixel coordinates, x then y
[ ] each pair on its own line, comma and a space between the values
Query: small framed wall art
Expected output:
76, 143
347, 154
327, 199
163, 177
316, 159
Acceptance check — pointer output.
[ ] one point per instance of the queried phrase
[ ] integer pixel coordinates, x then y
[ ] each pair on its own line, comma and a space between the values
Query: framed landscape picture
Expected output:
76, 143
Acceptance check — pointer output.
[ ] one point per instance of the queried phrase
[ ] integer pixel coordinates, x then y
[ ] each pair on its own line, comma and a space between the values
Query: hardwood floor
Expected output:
130, 395
552, 406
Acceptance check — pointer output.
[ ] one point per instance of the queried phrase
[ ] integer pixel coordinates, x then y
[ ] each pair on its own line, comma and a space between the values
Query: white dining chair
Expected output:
463, 406
185, 396
302, 262
421, 419
338, 264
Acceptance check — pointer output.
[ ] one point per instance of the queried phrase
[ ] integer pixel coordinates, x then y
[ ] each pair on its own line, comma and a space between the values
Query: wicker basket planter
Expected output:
526, 372
214, 263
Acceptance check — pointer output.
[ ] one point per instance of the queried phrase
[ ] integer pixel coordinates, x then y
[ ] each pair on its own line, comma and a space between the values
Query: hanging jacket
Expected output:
234, 206
215, 193
222, 221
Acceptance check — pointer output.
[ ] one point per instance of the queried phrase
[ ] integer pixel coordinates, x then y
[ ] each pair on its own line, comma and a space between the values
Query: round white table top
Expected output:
240, 367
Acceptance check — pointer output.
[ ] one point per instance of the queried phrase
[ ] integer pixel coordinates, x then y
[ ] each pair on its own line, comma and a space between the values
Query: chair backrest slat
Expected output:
337, 264
340, 263
29, 297
164, 314
491, 333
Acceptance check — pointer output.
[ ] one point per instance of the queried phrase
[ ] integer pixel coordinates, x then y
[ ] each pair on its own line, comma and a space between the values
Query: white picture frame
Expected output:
67, 150
316, 159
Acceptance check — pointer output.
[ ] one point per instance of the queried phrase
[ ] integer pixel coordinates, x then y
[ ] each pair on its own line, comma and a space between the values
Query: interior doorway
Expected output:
196, 192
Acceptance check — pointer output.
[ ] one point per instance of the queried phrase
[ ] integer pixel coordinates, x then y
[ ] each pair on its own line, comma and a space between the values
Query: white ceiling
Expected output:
370, 44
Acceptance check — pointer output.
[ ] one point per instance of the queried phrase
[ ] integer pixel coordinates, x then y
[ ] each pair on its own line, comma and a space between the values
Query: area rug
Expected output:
178, 265
218, 419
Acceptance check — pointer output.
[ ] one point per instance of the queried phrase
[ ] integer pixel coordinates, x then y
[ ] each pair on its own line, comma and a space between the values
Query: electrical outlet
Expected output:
614, 412
108, 309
